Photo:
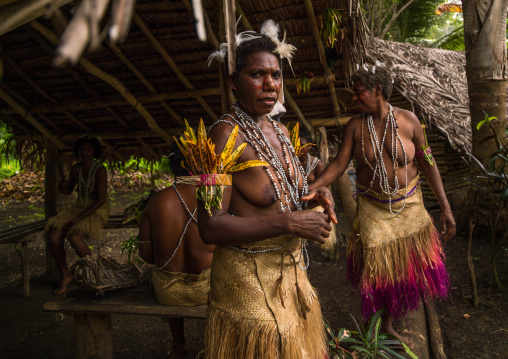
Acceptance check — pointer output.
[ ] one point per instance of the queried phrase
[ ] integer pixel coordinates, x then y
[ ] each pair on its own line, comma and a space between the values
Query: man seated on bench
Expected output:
169, 239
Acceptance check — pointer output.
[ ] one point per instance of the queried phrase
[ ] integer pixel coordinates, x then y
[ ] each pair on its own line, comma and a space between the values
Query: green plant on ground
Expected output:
131, 245
367, 342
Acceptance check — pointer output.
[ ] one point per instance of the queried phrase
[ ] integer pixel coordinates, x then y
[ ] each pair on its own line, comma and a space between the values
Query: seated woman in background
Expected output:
169, 239
88, 215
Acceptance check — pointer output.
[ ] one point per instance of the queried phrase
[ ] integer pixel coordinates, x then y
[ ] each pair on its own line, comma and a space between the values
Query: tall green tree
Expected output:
399, 20
485, 42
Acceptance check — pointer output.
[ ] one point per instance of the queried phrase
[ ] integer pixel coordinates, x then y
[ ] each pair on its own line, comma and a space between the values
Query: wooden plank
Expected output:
93, 336
137, 303
20, 236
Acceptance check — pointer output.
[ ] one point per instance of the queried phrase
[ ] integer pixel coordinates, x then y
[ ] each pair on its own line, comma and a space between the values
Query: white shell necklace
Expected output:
380, 168
86, 187
265, 152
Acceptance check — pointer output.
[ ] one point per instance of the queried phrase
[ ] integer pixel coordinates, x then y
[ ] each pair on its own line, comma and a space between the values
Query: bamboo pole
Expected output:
169, 60
210, 35
110, 80
227, 98
23, 112
321, 50
144, 81
21, 12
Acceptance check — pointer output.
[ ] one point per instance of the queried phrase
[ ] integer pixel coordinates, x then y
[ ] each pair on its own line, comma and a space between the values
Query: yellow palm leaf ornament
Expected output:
210, 172
294, 136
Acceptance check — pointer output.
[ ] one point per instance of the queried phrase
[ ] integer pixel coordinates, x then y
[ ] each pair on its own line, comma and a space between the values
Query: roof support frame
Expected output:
169, 60
111, 80
41, 91
329, 76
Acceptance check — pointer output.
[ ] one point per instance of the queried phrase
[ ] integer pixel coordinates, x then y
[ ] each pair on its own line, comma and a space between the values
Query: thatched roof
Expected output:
434, 81
135, 95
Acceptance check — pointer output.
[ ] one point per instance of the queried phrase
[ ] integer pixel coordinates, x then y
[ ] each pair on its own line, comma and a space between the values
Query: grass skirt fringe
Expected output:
394, 276
89, 227
231, 337
262, 305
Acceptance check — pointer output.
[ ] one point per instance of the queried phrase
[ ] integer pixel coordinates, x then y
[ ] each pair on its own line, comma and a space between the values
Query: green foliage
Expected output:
303, 82
330, 26
367, 342
413, 23
131, 245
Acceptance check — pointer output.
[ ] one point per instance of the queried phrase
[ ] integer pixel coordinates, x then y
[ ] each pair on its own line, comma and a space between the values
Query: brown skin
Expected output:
316, 172
161, 226
57, 238
410, 130
252, 198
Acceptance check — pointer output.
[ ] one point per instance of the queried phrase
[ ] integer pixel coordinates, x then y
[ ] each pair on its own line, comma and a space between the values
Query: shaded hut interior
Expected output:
135, 95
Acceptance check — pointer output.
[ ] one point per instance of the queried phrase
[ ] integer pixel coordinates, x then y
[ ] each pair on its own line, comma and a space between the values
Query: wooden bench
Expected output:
22, 235
92, 316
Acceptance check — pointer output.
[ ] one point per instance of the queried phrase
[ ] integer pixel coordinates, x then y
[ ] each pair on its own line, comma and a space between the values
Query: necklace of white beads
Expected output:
380, 168
86, 187
288, 193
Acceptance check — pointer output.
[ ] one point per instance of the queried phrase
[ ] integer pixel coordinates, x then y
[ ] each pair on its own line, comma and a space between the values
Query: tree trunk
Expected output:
485, 41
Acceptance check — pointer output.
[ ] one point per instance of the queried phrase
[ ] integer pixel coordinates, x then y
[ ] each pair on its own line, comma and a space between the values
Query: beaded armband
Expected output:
210, 172
427, 153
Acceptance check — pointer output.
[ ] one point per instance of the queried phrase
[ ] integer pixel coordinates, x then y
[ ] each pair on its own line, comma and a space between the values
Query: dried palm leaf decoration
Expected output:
210, 171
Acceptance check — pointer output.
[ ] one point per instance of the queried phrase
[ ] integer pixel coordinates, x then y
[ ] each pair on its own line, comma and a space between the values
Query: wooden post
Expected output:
92, 336
346, 196
322, 144
51, 180
22, 249
226, 94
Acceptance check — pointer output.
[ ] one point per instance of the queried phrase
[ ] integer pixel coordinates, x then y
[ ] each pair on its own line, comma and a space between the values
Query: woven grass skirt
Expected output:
395, 259
89, 227
181, 289
257, 310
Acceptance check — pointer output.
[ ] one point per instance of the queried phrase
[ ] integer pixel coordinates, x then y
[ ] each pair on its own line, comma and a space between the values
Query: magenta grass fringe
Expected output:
403, 296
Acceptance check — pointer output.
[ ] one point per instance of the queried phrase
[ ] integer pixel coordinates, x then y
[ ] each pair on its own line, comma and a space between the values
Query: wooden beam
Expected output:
321, 50
144, 81
110, 80
165, 55
21, 12
109, 135
23, 112
76, 105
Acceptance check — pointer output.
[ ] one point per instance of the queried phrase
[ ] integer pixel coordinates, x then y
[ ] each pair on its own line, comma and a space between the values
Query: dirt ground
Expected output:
28, 332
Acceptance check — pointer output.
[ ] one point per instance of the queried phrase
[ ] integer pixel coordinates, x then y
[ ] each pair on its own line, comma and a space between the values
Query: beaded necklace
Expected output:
380, 169
288, 192
86, 187
192, 218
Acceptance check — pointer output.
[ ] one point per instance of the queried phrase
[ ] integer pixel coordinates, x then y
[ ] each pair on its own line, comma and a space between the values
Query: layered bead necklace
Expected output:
87, 186
380, 168
288, 193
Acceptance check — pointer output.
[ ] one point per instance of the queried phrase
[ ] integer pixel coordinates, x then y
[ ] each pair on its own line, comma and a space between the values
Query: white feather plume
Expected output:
270, 29
220, 55
245, 36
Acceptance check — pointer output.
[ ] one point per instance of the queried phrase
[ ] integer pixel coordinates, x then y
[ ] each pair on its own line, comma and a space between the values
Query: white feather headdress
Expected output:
270, 29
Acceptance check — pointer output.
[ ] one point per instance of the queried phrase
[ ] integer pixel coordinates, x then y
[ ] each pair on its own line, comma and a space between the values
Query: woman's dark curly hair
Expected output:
246, 48
92, 141
304, 133
375, 75
175, 161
